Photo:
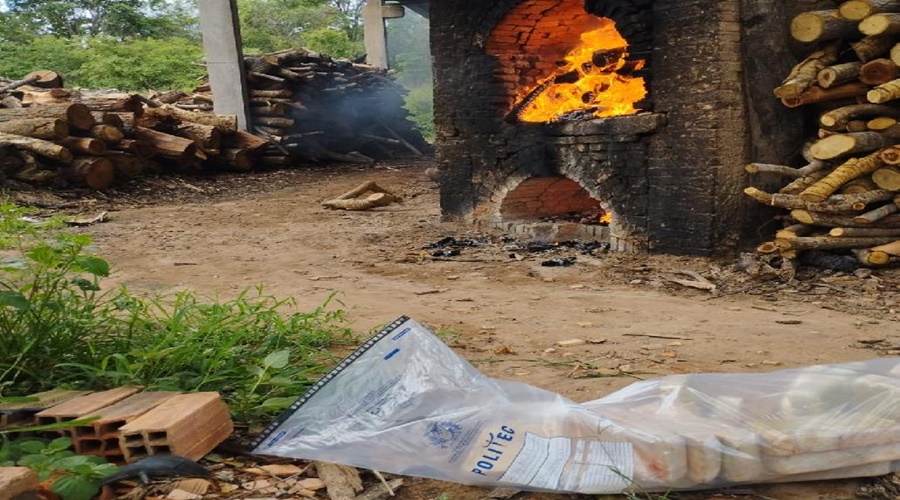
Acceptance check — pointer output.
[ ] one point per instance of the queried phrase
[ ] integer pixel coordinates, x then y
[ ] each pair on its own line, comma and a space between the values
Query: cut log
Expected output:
857, 126
798, 185
892, 248
884, 92
244, 140
829, 242
78, 116
804, 74
39, 128
891, 155
817, 94
864, 231
228, 123
127, 166
273, 121
880, 24
37, 146
872, 47
895, 54
112, 102
857, 10
237, 159
846, 172
821, 25
793, 231
271, 93
278, 109
111, 119
86, 145
879, 213
94, 172
887, 177
106, 133
18, 83
835, 75
136, 147
881, 123
859, 186
10, 102
878, 71
167, 144
342, 482
835, 204
880, 255
44, 79
839, 145
831, 220
784, 170
206, 136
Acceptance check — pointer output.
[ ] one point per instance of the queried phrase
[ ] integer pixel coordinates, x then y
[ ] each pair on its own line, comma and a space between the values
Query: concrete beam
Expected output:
225, 58
374, 34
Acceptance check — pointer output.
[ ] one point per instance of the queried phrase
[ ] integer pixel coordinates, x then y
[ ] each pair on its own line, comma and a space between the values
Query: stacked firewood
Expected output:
312, 107
846, 198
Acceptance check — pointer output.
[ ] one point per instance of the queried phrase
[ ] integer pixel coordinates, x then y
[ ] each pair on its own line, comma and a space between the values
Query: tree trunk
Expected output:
831, 220
818, 94
207, 136
94, 172
237, 159
44, 79
887, 177
77, 115
39, 128
86, 145
106, 133
849, 170
878, 71
857, 10
228, 123
880, 24
872, 47
804, 74
876, 215
884, 92
136, 147
829, 242
839, 145
837, 119
864, 231
834, 204
821, 25
167, 144
38, 146
837, 74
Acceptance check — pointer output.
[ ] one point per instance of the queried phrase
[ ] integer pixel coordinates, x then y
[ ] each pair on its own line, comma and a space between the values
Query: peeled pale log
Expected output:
78, 116
878, 71
857, 10
880, 255
37, 146
167, 144
821, 25
837, 119
881, 123
372, 201
39, 128
884, 92
228, 123
817, 94
880, 24
804, 74
835, 75
859, 186
887, 177
864, 231
793, 231
835, 203
845, 144
784, 170
95, 172
849, 170
86, 145
207, 136
832, 220
106, 133
829, 242
879, 213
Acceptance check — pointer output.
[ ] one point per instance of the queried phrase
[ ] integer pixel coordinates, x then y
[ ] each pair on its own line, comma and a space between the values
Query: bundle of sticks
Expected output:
846, 198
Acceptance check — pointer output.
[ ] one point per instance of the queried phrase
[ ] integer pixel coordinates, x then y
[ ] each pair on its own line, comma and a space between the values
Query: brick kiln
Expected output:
636, 116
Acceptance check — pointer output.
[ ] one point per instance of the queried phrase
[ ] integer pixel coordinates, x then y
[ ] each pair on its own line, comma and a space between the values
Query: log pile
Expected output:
315, 108
846, 198
306, 107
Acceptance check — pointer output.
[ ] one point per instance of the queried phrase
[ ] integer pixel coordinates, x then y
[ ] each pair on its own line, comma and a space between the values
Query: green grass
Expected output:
18, 222
61, 328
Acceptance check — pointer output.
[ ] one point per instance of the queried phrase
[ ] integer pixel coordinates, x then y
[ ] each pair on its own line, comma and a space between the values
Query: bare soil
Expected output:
495, 302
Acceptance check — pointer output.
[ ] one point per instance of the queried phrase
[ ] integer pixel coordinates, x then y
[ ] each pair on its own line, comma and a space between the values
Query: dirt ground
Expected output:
496, 303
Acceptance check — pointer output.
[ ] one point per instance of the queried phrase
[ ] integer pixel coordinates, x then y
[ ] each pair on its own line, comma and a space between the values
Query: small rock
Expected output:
311, 483
549, 351
734, 309
584, 324
675, 344
504, 351
571, 342
872, 340
577, 287
770, 363
626, 368
635, 282
668, 354
451, 278
282, 470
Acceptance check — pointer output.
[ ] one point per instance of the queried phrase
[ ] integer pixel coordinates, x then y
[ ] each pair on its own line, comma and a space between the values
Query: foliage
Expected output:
16, 224
120, 19
61, 330
142, 64
411, 57
77, 476
333, 27
420, 104
17, 58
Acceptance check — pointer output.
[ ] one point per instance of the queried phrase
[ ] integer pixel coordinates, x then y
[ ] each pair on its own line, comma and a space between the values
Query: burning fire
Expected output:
595, 77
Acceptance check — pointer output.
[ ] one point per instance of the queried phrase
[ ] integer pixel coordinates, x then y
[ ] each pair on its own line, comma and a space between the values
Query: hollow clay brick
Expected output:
83, 406
15, 481
188, 425
101, 436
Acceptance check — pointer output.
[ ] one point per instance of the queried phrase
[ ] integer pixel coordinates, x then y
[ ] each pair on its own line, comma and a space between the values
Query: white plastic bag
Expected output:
405, 403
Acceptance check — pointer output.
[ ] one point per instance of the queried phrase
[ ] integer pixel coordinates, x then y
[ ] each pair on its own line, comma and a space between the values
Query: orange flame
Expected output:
605, 219
593, 64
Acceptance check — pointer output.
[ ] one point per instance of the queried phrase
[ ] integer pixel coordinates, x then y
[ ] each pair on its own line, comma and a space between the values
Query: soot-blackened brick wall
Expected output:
671, 176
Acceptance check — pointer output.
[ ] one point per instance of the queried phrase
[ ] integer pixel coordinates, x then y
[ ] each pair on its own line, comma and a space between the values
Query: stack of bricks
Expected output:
125, 424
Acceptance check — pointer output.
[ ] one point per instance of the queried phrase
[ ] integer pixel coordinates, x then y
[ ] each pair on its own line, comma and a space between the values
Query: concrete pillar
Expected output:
224, 58
374, 34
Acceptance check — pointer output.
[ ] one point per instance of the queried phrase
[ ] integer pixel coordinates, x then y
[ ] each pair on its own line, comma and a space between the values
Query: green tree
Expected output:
148, 63
324, 25
18, 58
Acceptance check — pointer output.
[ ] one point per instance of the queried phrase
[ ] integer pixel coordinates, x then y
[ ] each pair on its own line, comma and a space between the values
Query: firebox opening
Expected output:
555, 199
558, 62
